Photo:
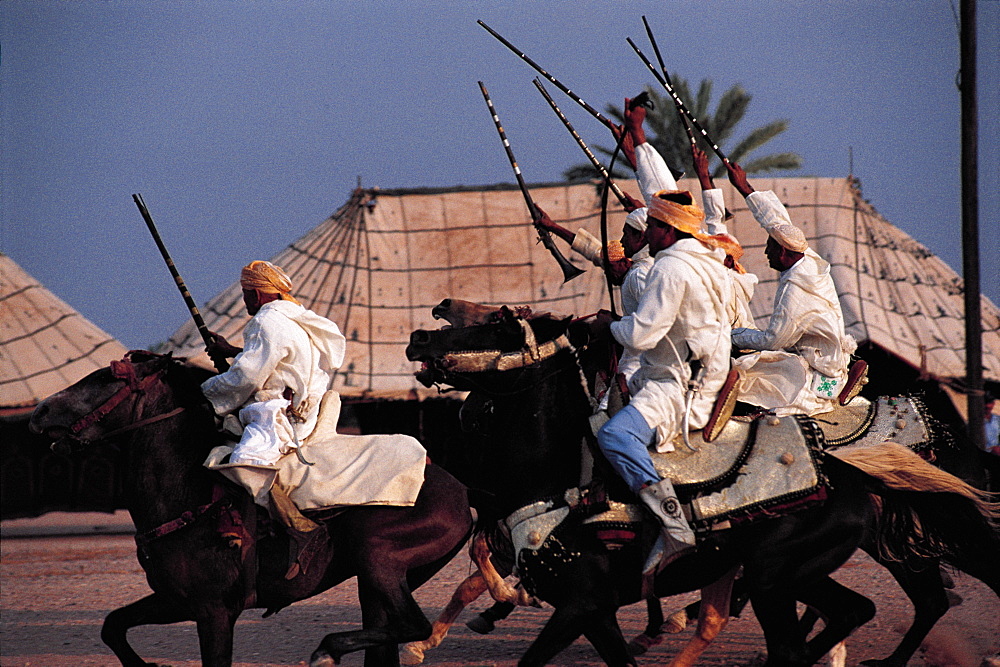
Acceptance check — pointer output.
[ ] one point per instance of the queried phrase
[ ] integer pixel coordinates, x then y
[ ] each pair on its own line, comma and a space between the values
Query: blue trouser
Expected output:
625, 439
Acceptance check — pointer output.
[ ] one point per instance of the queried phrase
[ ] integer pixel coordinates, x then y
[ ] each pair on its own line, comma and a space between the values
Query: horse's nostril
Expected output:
419, 336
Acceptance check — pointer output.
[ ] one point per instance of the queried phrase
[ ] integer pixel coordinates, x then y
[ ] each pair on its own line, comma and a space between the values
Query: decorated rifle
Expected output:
569, 270
199, 322
576, 98
677, 101
666, 77
586, 149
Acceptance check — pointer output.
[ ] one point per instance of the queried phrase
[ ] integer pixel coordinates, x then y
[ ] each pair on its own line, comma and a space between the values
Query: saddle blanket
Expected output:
347, 470
752, 467
863, 423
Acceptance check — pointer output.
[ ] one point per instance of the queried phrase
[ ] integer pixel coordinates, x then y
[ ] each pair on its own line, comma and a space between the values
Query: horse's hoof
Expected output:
643, 643
411, 655
321, 658
483, 626
676, 622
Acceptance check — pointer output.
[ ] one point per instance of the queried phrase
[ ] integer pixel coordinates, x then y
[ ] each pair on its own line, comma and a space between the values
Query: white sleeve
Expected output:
652, 172
587, 245
715, 208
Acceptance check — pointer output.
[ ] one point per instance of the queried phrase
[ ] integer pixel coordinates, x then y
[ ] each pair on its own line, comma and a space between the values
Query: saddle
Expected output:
766, 465
863, 423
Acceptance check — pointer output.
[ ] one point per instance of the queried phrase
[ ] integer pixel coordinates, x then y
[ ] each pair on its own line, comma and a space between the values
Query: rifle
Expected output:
666, 77
576, 98
199, 322
569, 270
590, 155
677, 101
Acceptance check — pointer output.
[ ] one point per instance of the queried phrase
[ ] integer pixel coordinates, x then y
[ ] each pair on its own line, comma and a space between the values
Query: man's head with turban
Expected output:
267, 279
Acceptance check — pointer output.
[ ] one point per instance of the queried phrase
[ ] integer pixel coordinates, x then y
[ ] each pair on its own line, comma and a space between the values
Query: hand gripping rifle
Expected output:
568, 269
220, 365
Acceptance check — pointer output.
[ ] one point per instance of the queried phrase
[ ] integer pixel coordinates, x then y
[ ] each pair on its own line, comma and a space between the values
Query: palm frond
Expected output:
758, 138
730, 111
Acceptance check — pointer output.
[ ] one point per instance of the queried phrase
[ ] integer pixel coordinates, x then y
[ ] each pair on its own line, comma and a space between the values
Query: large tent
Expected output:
381, 262
45, 345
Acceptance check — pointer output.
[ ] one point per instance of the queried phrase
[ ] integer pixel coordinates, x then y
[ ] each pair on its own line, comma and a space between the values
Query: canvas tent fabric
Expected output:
381, 262
45, 345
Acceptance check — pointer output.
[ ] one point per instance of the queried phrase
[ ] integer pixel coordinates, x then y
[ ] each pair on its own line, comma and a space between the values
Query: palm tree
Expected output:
665, 132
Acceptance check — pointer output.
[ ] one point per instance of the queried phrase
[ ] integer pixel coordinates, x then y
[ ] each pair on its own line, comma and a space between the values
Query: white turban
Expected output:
773, 217
637, 219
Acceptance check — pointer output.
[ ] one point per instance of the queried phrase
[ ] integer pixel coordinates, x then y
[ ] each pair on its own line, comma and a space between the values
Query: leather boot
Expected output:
676, 537
305, 536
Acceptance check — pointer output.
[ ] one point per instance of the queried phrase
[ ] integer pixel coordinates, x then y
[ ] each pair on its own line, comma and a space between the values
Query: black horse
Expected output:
528, 410
205, 556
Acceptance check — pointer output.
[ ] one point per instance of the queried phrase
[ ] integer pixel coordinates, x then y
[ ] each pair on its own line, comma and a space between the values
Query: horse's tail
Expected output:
923, 510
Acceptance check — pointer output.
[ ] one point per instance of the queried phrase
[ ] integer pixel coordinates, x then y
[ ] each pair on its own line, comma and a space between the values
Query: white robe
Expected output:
805, 350
285, 345
681, 315
744, 284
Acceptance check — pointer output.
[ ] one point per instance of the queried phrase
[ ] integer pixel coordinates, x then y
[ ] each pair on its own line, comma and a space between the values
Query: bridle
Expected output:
133, 387
531, 354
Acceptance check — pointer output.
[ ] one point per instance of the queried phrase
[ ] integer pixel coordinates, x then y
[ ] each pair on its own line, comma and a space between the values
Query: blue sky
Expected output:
245, 124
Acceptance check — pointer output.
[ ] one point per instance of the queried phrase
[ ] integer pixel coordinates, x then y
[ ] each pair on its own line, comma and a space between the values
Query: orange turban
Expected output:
267, 278
684, 217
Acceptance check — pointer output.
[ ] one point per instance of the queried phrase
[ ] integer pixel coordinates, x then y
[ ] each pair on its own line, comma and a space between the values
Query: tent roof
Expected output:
45, 345
381, 262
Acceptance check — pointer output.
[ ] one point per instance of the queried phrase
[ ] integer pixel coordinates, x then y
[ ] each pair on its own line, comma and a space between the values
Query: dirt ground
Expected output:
56, 590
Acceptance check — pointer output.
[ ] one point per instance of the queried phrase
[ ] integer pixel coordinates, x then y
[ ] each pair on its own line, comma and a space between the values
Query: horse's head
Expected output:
482, 339
108, 401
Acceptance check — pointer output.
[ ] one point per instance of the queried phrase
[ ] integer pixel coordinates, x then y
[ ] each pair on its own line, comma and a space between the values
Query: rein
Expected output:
124, 370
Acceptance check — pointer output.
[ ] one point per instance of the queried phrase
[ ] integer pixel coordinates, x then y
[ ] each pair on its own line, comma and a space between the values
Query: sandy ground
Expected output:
55, 590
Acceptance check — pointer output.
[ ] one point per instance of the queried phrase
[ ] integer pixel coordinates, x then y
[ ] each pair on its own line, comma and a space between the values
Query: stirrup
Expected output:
857, 377
722, 410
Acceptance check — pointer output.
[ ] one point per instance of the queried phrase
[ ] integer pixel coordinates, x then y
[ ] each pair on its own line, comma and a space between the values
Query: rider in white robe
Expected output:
285, 346
805, 352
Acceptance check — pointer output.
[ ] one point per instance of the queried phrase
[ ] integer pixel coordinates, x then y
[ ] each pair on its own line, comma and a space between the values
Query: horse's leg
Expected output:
777, 613
500, 590
842, 609
151, 610
468, 591
712, 619
606, 636
653, 634
215, 634
925, 588
567, 623
391, 616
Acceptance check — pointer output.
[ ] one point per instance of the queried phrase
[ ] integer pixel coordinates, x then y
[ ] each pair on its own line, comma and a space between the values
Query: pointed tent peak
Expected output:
45, 345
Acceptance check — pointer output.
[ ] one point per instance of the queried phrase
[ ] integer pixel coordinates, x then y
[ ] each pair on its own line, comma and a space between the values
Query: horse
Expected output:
207, 558
529, 406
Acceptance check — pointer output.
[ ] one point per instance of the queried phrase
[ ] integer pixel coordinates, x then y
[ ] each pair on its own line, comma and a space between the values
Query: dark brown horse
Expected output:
205, 556
530, 419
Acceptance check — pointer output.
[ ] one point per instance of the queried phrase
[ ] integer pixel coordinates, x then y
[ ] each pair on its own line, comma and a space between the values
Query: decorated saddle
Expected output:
757, 468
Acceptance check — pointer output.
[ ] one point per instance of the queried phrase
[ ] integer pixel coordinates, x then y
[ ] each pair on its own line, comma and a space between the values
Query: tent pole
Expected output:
970, 224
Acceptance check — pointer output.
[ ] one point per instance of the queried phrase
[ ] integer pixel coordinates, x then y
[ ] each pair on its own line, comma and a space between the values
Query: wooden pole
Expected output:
970, 225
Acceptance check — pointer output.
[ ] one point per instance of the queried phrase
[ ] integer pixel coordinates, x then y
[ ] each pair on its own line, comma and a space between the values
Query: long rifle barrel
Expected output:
569, 270
188, 299
666, 77
677, 100
576, 98
586, 149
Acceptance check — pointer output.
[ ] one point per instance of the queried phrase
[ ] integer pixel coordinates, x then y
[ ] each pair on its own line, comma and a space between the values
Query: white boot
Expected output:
676, 538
